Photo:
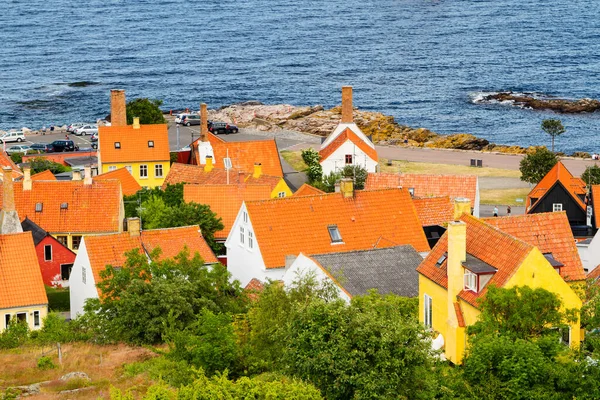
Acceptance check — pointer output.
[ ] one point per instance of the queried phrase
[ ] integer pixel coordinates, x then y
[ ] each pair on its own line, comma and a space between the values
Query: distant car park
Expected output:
86, 130
42, 148
191, 119
20, 148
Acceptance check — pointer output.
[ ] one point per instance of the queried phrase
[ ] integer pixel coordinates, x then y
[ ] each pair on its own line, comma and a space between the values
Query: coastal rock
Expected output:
73, 375
461, 141
536, 102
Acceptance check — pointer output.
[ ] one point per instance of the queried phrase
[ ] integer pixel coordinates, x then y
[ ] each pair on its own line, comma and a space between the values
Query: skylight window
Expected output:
150, 143
117, 145
64, 206
441, 260
39, 207
334, 233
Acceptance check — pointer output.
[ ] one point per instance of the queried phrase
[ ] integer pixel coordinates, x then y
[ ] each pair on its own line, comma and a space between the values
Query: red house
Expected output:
56, 260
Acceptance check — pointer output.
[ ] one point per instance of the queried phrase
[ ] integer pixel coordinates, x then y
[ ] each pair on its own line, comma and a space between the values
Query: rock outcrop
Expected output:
535, 102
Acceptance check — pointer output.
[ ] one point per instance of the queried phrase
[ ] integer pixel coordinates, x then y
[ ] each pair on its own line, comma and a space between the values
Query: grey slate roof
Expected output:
389, 270
38, 233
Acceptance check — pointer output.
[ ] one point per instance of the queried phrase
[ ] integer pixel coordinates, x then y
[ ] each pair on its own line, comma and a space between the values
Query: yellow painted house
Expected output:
471, 256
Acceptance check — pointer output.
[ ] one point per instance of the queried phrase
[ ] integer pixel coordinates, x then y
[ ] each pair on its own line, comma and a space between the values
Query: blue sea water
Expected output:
421, 61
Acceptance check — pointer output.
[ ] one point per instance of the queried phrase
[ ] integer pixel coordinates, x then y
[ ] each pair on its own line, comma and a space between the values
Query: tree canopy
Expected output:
535, 165
148, 111
554, 128
591, 175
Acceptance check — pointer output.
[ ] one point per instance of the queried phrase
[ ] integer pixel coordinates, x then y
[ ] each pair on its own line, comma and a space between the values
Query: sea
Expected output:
426, 62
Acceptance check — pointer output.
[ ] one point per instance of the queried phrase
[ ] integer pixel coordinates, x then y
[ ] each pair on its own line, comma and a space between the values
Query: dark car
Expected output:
221, 127
42, 148
64, 145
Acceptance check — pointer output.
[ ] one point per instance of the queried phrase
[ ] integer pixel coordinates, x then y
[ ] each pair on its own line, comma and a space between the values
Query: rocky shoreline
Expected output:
383, 129
538, 102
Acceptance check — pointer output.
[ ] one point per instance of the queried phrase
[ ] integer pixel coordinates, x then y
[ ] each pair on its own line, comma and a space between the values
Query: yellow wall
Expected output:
281, 187
151, 181
43, 309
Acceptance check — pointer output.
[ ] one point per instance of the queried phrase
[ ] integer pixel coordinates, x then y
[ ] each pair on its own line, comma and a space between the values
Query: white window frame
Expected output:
112, 168
51, 253
250, 240
428, 311
22, 313
242, 236
557, 207
7, 322
158, 168
470, 281
36, 319
281, 194
144, 168
128, 168
83, 276
245, 217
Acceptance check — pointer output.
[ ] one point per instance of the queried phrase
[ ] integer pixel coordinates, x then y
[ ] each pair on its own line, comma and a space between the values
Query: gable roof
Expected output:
21, 281
389, 270
43, 176
296, 225
129, 185
195, 174
594, 274
244, 154
307, 190
434, 210
426, 185
93, 208
596, 204
110, 249
37, 233
550, 233
134, 143
487, 244
225, 200
6, 161
348, 134
340, 128
558, 174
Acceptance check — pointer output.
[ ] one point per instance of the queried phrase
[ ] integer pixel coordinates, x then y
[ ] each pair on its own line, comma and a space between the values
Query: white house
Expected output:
589, 252
347, 145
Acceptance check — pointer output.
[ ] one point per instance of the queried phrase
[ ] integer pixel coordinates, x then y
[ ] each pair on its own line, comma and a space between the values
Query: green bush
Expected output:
45, 363
17, 158
59, 299
15, 335
310, 156
175, 373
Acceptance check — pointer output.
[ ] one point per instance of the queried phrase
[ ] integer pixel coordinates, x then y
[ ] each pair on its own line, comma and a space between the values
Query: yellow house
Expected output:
470, 256
142, 149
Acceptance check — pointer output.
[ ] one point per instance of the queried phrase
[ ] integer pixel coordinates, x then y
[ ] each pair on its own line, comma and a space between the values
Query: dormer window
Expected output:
64, 206
554, 262
117, 145
441, 260
334, 233
39, 207
150, 143
411, 191
471, 281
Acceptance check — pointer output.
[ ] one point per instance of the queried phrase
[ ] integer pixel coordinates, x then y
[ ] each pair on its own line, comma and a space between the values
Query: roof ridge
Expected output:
498, 230
171, 228
360, 251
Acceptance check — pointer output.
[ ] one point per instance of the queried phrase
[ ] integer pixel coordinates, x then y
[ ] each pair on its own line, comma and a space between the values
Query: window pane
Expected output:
76, 240
36, 318
48, 252
158, 171
65, 271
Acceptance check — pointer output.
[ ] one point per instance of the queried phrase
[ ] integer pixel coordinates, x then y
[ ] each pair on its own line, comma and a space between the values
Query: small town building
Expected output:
129, 185
434, 214
307, 190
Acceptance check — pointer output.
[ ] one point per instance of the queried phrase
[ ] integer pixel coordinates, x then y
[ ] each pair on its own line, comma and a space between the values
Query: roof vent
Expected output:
150, 143
117, 145
64, 206
39, 207
441, 260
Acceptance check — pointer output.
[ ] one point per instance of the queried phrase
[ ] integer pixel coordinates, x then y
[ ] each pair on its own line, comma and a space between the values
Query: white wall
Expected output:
242, 262
590, 253
476, 205
337, 160
304, 265
80, 291
341, 128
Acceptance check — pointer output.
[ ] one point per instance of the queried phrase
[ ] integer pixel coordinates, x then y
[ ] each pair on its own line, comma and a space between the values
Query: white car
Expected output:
76, 125
86, 130
12, 136
20, 148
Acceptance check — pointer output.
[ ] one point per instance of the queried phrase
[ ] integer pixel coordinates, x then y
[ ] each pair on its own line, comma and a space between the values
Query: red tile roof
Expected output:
195, 174
106, 250
6, 161
129, 185
425, 185
60, 157
245, 154
21, 281
459, 315
346, 135
300, 224
94, 208
225, 200
434, 210
594, 274
596, 203
485, 242
550, 233
558, 174
43, 176
307, 190
134, 143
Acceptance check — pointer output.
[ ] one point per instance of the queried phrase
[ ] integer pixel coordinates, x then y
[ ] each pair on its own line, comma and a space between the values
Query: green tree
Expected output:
40, 164
534, 166
591, 175
142, 300
329, 181
147, 110
314, 172
172, 196
554, 128
358, 173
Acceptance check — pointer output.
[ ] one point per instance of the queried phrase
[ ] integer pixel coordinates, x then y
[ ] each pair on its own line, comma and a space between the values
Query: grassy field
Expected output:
409, 167
294, 158
103, 364
504, 196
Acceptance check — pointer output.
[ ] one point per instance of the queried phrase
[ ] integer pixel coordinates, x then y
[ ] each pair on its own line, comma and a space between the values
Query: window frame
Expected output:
250, 240
112, 168
26, 319
62, 276
46, 247
36, 319
348, 157
557, 207
428, 311
118, 145
151, 144
158, 167
63, 239
78, 242
83, 276
7, 318
245, 217
471, 281
143, 167
281, 195
129, 168
334, 234
242, 235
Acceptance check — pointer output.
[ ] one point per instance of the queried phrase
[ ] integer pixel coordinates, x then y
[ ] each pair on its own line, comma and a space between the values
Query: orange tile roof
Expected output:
594, 274
459, 315
245, 154
307, 190
225, 200
195, 174
485, 242
550, 233
300, 224
6, 161
91, 208
134, 143
60, 157
559, 173
43, 176
425, 185
106, 250
348, 134
21, 281
434, 210
128, 183
596, 203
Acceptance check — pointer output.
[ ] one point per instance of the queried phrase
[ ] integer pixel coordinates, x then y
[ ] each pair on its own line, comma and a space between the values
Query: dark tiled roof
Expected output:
389, 270
36, 231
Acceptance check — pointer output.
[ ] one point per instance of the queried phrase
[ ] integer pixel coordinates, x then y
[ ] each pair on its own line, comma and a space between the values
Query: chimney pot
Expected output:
26, 177
118, 108
461, 206
347, 109
77, 174
257, 170
203, 122
8, 191
209, 164
133, 226
136, 122
347, 187
87, 178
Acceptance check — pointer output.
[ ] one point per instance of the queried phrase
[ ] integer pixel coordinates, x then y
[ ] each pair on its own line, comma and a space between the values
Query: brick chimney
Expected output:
133, 226
87, 175
26, 177
347, 187
77, 174
257, 170
8, 190
461, 206
136, 122
203, 122
347, 105
209, 164
118, 113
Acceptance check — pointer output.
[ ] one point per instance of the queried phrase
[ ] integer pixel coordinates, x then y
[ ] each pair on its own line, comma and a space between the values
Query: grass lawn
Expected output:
294, 158
410, 167
503, 196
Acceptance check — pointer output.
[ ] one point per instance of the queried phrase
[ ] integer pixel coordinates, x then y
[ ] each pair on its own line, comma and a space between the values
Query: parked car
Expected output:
42, 148
75, 125
181, 116
64, 145
86, 130
191, 120
221, 127
12, 136
20, 148
94, 137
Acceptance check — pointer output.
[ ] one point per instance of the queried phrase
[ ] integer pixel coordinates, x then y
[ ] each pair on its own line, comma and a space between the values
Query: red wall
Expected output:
60, 255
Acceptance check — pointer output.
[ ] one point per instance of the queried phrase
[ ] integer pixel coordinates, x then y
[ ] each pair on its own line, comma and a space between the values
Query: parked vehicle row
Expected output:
56, 146
12, 136
213, 126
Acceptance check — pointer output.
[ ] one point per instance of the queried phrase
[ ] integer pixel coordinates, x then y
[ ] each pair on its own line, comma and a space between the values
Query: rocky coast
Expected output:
540, 102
